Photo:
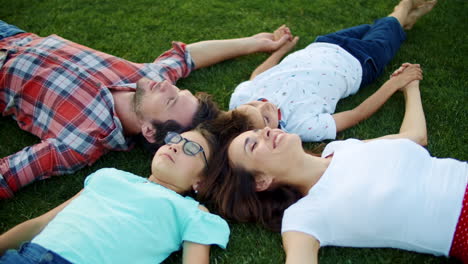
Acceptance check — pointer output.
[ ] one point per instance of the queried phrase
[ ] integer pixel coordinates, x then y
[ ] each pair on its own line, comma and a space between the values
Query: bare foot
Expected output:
417, 13
408, 5
417, 3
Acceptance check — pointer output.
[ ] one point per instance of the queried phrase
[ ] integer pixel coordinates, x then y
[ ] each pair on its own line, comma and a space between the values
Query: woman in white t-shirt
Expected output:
300, 94
385, 192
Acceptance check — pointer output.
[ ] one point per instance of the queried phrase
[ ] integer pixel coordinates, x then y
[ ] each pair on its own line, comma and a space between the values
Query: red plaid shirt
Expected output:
60, 91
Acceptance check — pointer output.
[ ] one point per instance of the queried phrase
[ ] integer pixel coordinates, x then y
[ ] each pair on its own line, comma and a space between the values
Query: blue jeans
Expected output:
373, 45
30, 253
7, 30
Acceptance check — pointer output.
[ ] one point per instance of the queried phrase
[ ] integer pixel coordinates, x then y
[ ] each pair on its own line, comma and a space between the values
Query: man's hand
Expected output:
406, 74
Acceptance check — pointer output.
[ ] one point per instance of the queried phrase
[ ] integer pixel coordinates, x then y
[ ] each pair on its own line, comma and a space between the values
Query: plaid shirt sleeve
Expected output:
48, 158
175, 63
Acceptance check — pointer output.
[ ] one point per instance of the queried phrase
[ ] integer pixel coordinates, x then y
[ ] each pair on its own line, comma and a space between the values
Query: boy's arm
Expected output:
350, 118
276, 56
209, 52
27, 230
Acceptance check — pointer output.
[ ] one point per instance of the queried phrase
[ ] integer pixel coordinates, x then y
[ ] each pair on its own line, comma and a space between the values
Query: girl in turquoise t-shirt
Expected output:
122, 218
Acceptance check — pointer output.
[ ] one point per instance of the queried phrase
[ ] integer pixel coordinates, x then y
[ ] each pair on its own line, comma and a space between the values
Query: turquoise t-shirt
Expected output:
124, 218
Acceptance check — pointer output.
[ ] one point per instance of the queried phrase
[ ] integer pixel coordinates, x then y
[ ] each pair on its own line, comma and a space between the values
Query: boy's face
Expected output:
261, 114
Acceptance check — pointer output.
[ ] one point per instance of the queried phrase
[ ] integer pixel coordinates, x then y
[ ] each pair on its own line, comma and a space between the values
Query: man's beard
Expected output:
137, 98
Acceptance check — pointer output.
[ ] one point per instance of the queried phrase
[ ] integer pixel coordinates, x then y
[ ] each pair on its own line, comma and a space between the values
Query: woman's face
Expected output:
172, 166
267, 151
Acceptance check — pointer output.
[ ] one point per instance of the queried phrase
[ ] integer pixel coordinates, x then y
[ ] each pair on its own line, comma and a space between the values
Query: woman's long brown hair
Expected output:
231, 192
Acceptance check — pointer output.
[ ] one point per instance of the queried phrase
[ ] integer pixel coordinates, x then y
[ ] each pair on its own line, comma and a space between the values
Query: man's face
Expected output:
162, 101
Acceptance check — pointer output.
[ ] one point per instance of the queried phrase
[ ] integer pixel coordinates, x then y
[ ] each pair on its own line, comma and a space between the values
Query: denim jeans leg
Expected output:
31, 253
376, 48
7, 30
357, 32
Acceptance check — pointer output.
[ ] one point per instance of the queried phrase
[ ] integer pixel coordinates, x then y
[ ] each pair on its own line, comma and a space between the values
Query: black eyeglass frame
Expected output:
169, 139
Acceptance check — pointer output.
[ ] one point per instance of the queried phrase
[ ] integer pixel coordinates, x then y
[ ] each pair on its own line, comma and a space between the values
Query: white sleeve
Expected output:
313, 127
241, 95
339, 144
300, 218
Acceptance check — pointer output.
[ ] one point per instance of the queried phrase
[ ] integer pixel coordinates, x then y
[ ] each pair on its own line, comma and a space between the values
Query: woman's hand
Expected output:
406, 74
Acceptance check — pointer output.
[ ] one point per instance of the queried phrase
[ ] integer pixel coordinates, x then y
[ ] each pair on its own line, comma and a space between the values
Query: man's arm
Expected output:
27, 230
350, 118
206, 53
300, 247
48, 158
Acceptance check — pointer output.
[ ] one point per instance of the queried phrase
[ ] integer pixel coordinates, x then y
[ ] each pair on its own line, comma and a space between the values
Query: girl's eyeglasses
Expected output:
190, 148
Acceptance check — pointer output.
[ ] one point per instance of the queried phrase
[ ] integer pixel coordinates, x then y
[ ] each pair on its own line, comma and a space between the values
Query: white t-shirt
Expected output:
306, 86
384, 193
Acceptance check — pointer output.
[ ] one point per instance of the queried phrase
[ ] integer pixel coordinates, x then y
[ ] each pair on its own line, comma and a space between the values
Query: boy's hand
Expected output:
400, 70
406, 74
281, 31
290, 43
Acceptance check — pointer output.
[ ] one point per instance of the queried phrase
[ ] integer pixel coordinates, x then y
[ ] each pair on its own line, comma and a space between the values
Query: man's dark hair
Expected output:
207, 110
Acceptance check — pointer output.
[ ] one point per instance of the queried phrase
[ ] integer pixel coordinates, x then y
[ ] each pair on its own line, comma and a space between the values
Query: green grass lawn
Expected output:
140, 30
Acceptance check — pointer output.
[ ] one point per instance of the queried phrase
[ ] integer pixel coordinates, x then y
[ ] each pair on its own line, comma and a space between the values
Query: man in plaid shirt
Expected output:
82, 103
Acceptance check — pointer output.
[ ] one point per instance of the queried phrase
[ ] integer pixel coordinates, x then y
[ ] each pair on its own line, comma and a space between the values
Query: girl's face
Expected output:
172, 166
266, 151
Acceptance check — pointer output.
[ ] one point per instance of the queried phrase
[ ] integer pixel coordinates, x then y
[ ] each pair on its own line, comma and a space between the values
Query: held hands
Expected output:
289, 44
408, 75
271, 42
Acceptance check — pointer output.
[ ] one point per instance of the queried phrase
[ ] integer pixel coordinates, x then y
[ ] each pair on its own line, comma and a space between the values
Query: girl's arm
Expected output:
27, 230
195, 253
413, 126
350, 118
276, 56
300, 247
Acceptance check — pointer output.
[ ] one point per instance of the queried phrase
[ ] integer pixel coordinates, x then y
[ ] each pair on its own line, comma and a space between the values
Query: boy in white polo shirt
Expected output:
299, 95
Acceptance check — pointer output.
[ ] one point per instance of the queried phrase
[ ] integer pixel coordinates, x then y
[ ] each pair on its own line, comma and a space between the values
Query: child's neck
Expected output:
167, 185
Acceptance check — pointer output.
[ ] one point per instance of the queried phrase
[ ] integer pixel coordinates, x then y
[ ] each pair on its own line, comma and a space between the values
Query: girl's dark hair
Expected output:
230, 191
213, 145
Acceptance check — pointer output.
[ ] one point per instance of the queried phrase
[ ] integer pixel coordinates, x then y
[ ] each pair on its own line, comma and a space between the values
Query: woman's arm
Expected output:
27, 230
276, 56
300, 247
413, 126
350, 118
